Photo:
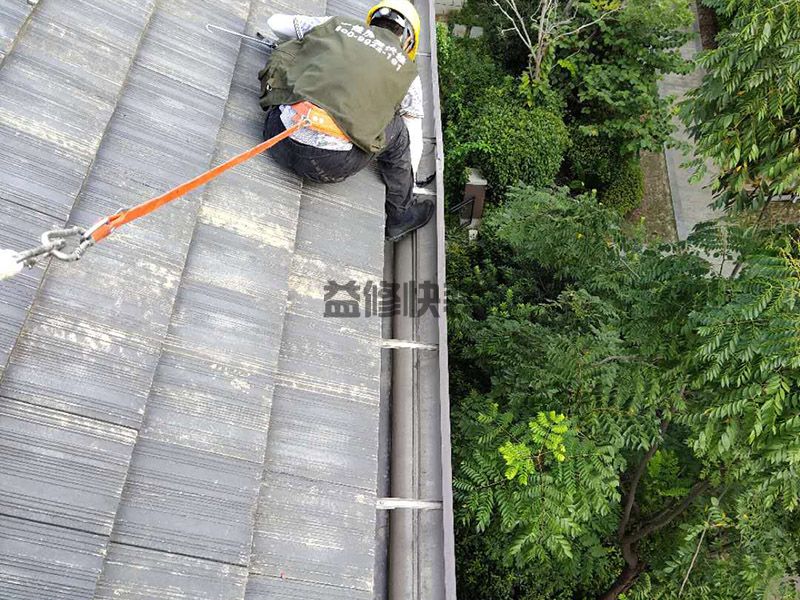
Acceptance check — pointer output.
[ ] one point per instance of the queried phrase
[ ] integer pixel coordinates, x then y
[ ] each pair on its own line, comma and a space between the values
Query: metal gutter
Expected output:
421, 541
384, 490
449, 549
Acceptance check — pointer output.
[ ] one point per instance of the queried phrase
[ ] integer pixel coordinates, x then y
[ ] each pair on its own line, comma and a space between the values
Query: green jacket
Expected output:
358, 74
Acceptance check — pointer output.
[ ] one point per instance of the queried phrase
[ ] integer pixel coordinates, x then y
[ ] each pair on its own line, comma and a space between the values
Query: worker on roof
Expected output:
363, 77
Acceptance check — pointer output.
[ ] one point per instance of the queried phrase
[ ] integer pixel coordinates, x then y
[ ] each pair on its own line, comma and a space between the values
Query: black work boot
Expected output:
399, 222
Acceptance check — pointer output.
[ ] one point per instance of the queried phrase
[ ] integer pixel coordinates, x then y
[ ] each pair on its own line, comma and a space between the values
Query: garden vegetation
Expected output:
626, 416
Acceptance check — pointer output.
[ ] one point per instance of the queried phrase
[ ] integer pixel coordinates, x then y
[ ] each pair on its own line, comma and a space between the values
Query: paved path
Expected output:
690, 200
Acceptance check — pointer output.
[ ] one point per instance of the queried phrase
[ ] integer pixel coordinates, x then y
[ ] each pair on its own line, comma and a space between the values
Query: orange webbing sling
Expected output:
308, 115
145, 208
70, 244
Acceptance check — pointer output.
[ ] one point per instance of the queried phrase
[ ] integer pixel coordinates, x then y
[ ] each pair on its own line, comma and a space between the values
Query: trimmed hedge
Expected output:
597, 163
488, 126
513, 144
627, 188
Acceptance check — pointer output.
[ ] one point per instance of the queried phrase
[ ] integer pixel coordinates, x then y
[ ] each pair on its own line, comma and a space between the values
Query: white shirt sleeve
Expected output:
294, 26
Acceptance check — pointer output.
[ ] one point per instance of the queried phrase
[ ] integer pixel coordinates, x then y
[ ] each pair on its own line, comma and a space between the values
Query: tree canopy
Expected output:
629, 416
745, 117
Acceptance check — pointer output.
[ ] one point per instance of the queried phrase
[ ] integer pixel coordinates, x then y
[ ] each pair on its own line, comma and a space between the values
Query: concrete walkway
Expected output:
690, 200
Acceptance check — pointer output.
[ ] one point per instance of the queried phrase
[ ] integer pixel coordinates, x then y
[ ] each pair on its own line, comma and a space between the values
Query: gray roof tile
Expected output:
179, 391
39, 561
139, 574
188, 502
60, 468
314, 532
53, 116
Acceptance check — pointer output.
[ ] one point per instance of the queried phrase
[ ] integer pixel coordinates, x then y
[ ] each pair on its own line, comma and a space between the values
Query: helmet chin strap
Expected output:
407, 38
409, 42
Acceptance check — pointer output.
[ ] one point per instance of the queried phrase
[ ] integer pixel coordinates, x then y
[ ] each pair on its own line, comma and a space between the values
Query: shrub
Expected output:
596, 161
509, 143
466, 72
627, 188
487, 125
592, 160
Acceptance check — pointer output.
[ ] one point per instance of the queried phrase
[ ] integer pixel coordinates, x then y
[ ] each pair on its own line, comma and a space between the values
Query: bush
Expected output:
508, 143
513, 144
592, 160
487, 125
596, 161
466, 72
627, 189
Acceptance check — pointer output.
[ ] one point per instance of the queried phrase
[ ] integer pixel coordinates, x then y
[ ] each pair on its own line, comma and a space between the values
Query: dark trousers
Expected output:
330, 166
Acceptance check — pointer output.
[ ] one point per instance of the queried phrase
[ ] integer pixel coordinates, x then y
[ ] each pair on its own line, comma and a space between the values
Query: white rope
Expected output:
9, 265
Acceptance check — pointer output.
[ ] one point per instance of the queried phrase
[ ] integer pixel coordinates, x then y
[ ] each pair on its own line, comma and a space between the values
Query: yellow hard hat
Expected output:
406, 10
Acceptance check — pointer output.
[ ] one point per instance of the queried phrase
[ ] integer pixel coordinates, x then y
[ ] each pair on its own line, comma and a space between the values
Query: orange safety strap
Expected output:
119, 219
319, 119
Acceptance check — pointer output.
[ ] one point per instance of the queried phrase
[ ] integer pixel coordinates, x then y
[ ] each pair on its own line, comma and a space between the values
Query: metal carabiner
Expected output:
68, 244
57, 239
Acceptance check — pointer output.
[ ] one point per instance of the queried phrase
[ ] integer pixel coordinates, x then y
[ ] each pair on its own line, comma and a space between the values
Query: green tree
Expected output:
603, 56
626, 418
542, 25
610, 70
745, 116
596, 163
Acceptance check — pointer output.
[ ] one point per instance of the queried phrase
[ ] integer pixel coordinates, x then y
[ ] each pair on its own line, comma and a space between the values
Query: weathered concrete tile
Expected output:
301, 7
12, 17
68, 361
188, 502
213, 385
39, 561
324, 437
315, 532
19, 228
262, 587
256, 201
233, 289
197, 468
329, 356
348, 8
61, 469
347, 241
164, 131
140, 574
352, 311
209, 405
58, 90
184, 50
